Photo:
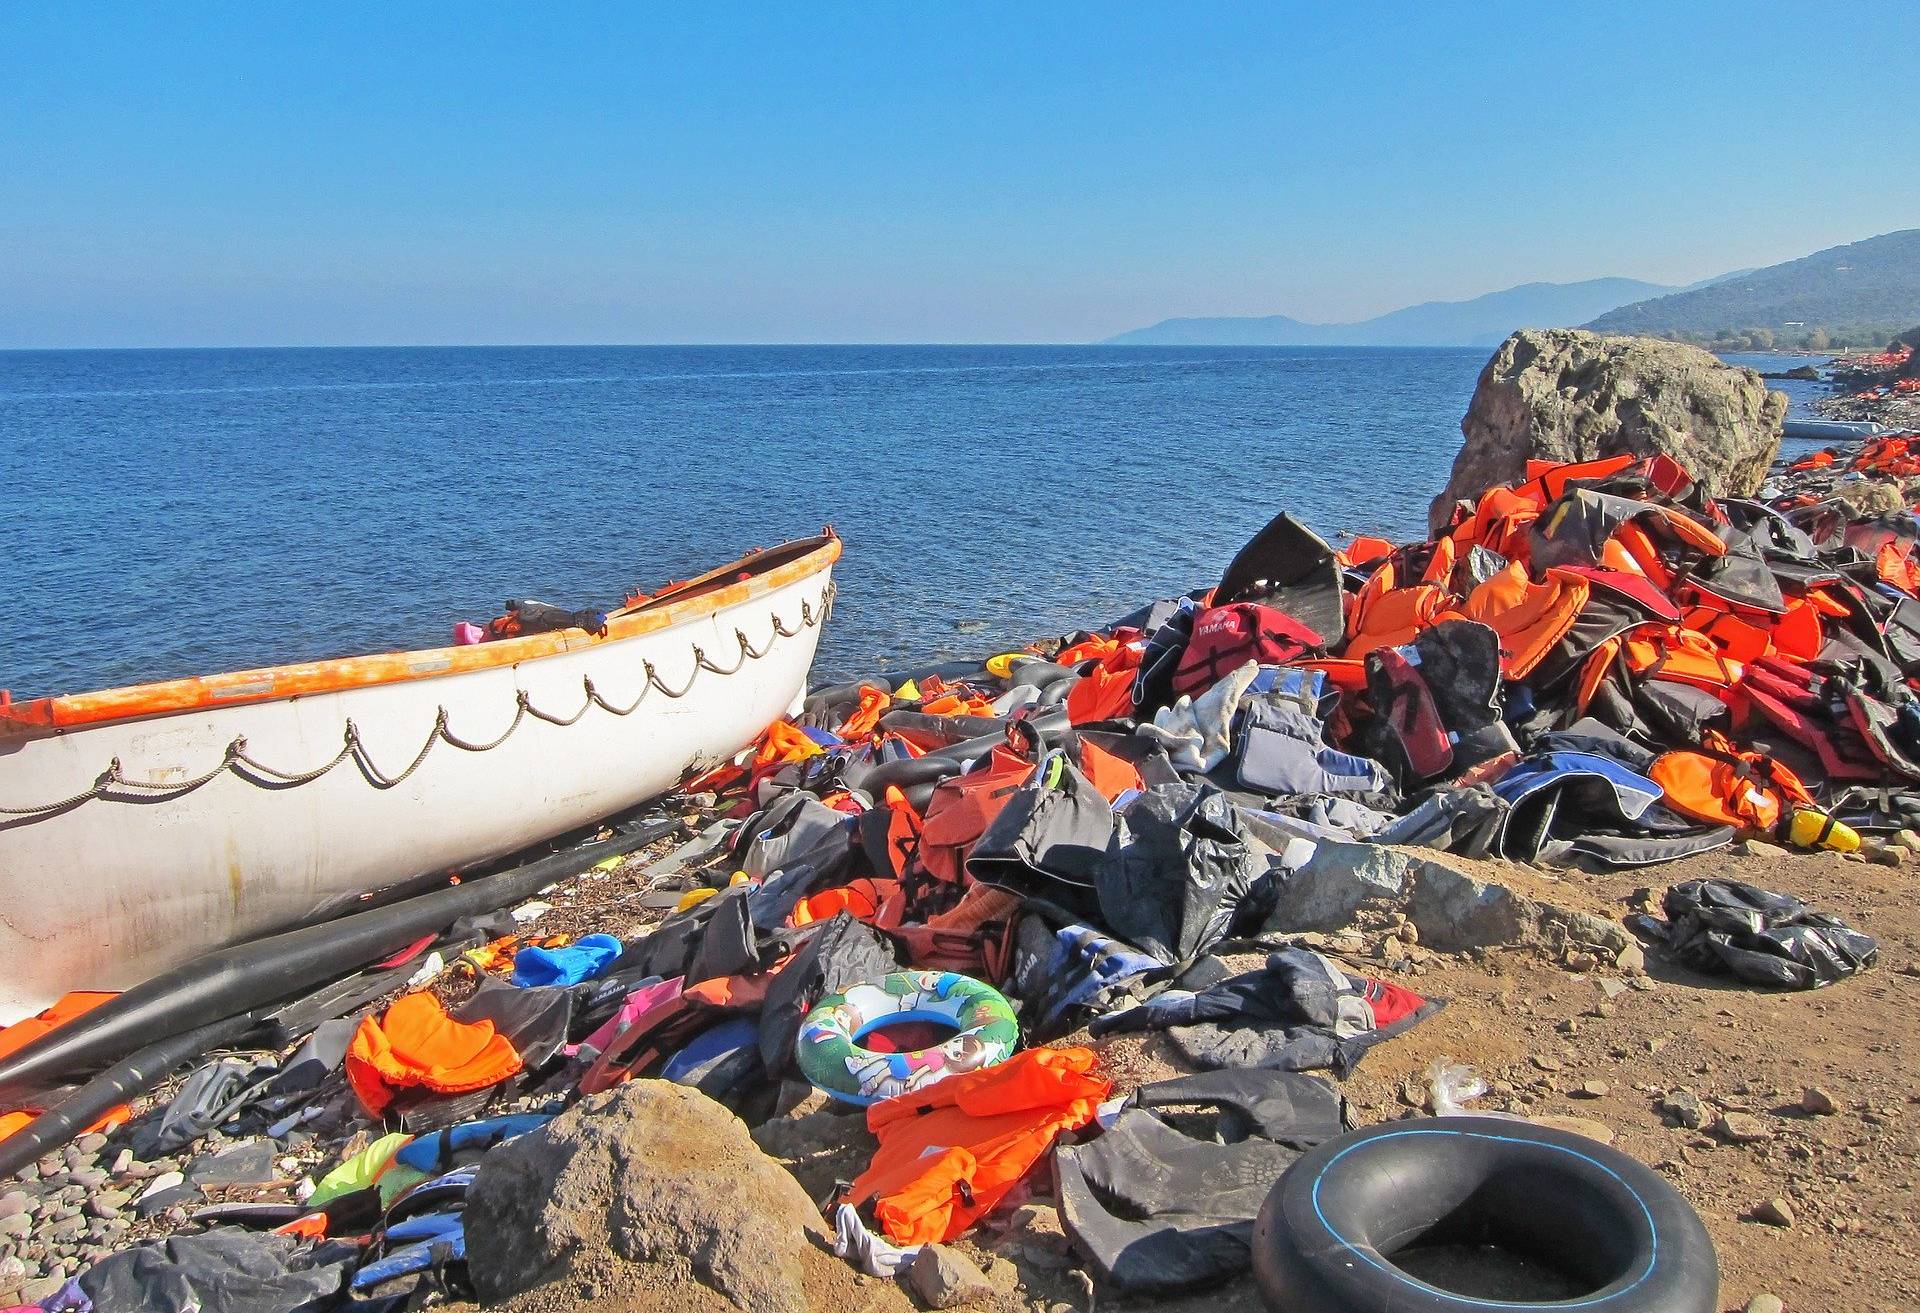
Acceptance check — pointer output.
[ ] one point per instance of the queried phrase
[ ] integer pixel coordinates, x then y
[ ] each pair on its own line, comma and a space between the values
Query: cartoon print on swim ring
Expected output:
831, 1056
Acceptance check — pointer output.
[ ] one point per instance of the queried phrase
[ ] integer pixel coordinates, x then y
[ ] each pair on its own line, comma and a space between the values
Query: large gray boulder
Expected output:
649, 1196
1565, 394
1327, 892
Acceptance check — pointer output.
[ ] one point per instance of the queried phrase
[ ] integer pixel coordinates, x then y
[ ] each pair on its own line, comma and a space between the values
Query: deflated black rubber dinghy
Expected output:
1468, 1214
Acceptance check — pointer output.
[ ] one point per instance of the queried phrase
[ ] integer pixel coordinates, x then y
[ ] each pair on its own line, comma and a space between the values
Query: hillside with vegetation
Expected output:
1858, 295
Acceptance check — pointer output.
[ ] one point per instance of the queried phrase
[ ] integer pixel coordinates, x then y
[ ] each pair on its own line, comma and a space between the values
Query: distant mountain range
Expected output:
1861, 294
1483, 321
1858, 294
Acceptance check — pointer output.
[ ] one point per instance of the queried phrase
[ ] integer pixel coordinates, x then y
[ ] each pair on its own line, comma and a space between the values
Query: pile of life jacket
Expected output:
1596, 663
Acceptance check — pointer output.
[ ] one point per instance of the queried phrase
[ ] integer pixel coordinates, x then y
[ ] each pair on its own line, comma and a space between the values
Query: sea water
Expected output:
184, 512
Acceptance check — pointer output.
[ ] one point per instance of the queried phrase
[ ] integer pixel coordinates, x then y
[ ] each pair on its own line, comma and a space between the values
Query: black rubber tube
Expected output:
947, 670
240, 978
1328, 1235
940, 731
125, 1080
907, 773
836, 695
1038, 674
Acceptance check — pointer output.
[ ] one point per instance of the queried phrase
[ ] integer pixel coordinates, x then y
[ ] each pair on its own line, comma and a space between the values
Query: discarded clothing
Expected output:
865, 1250
1156, 1209
1299, 1012
1181, 873
1760, 937
582, 960
222, 1271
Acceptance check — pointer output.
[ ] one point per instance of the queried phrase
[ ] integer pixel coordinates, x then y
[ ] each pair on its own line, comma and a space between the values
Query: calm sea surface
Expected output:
181, 512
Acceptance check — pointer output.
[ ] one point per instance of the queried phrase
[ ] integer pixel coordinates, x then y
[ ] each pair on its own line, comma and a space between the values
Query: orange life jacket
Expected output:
949, 1154
962, 807
1682, 655
1397, 616
860, 898
865, 718
417, 1044
66, 1008
1106, 692
1531, 618
1363, 550
1723, 785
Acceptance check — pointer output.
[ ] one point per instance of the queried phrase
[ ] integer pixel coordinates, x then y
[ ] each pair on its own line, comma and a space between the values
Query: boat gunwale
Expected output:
703, 595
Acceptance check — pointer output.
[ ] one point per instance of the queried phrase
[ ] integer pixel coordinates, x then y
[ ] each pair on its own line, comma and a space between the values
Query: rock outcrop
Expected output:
1564, 394
648, 1196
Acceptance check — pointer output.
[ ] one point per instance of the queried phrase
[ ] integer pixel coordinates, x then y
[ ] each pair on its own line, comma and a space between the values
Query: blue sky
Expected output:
252, 173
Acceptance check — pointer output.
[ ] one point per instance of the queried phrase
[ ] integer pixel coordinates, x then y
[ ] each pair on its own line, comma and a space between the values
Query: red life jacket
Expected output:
1227, 637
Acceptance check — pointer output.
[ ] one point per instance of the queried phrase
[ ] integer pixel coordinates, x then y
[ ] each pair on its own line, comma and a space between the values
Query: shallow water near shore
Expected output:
184, 512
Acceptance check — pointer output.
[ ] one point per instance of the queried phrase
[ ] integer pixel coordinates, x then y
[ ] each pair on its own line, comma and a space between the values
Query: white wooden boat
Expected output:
142, 826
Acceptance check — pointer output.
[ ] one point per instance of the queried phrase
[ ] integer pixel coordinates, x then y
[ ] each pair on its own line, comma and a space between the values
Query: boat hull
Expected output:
119, 887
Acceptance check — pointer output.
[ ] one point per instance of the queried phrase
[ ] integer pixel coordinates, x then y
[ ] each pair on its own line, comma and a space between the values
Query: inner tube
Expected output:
1039, 674
830, 1055
1601, 1232
925, 731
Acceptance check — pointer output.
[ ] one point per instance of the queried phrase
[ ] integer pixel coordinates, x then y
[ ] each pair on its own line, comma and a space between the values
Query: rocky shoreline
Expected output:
1881, 387
1784, 1117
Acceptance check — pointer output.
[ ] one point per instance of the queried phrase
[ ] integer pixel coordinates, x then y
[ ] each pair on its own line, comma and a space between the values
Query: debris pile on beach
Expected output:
1881, 387
948, 940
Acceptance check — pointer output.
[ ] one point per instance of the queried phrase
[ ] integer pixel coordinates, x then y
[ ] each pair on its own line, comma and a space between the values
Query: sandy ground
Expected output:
1543, 1033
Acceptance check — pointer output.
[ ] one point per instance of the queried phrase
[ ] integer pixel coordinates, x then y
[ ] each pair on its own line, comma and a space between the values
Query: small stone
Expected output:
1045, 1257
1817, 1102
1034, 1217
1547, 1063
18, 1225
945, 1278
15, 1201
1765, 1303
1613, 988
89, 1178
108, 1203
1414, 1093
1586, 1126
1601, 1010
1742, 1128
12, 1273
64, 1230
1593, 1089
1657, 1043
1774, 1212
33, 1292
1582, 961
1685, 1109
91, 1144
1571, 1026
122, 1162
1632, 959
1408, 932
